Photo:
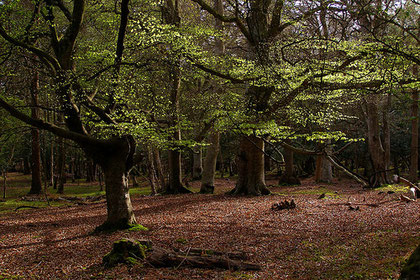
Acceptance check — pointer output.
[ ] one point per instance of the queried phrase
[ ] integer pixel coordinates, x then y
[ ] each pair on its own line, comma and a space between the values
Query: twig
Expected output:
183, 260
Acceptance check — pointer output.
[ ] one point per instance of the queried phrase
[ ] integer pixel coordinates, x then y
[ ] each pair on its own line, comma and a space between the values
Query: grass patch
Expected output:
393, 188
137, 227
317, 191
364, 257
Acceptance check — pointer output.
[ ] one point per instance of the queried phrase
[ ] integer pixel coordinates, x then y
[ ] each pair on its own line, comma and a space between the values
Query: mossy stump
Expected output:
126, 251
411, 270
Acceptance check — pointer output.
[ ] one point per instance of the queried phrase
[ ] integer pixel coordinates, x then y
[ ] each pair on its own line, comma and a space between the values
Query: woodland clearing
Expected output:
319, 239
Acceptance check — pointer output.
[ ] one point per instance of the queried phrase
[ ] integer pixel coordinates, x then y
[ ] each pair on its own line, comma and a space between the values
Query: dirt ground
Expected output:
319, 239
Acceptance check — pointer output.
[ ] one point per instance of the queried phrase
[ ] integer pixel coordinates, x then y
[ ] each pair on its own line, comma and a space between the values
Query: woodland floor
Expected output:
320, 239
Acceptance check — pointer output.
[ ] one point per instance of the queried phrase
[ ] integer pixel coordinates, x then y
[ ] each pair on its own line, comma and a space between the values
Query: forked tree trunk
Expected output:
207, 181
251, 179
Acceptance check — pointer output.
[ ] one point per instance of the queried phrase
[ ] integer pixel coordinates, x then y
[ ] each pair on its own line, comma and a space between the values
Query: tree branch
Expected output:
77, 137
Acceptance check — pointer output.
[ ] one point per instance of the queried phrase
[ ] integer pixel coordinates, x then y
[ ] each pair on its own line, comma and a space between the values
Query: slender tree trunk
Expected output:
36, 184
209, 170
61, 164
159, 168
152, 171
197, 162
414, 147
4, 182
387, 135
26, 165
251, 179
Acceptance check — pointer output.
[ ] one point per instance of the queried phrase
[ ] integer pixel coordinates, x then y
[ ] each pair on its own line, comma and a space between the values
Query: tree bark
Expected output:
36, 184
61, 176
414, 147
152, 171
289, 175
115, 161
170, 14
197, 162
375, 144
251, 179
207, 181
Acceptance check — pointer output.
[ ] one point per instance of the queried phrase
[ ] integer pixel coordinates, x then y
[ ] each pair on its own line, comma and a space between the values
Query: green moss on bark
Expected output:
126, 251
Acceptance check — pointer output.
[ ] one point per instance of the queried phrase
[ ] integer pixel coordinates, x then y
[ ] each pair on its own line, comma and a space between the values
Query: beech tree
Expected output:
63, 27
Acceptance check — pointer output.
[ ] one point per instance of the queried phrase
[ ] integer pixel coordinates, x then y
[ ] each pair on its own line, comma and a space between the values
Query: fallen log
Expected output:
416, 190
160, 257
206, 252
130, 251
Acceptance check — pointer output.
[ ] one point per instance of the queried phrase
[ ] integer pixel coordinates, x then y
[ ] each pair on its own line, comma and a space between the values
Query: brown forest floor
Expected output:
320, 239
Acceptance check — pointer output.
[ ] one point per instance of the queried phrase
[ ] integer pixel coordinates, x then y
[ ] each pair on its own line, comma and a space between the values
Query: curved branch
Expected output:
77, 137
52, 62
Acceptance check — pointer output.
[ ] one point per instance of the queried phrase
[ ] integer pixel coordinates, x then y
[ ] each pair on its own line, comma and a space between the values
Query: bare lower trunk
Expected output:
324, 167
414, 147
61, 165
159, 168
207, 180
120, 210
4, 183
375, 145
175, 185
197, 162
36, 184
251, 180
152, 171
289, 176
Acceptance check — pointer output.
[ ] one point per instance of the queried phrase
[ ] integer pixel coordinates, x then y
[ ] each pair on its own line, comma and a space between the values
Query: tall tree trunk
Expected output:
375, 145
170, 14
36, 184
251, 179
209, 170
289, 175
414, 147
